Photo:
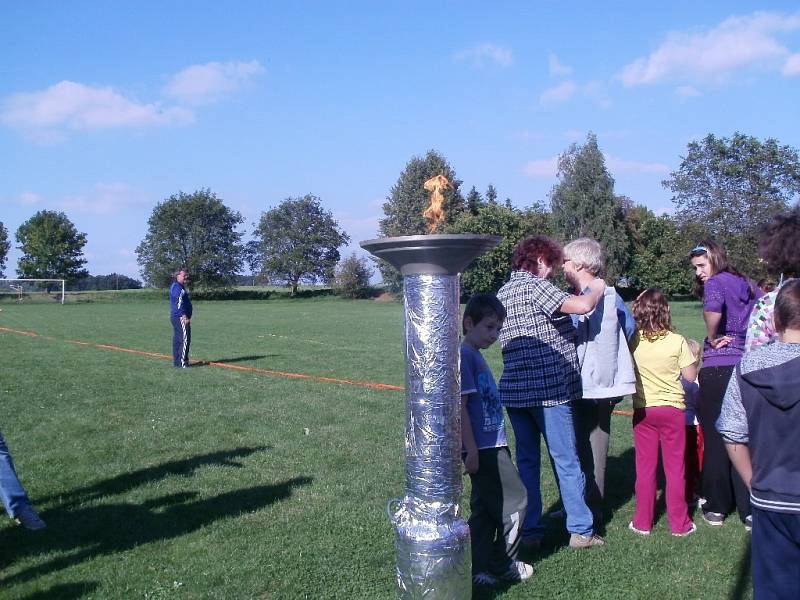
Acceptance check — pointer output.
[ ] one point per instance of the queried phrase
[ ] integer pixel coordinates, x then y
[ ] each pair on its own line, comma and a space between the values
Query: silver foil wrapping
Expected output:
433, 550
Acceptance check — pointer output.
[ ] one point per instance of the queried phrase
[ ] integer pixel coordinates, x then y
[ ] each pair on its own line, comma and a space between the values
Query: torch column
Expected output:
433, 552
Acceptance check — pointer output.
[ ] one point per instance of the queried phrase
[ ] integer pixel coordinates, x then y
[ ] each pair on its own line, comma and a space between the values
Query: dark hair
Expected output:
652, 314
717, 258
787, 306
528, 252
481, 306
779, 243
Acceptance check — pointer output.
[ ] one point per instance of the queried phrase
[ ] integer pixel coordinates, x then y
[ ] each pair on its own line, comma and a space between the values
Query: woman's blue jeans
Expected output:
555, 424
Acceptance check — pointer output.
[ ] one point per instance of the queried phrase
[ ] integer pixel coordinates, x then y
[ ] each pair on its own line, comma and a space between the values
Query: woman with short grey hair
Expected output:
607, 370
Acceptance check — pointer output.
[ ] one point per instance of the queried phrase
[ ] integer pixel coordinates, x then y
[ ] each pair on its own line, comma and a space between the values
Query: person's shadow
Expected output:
83, 533
128, 481
80, 533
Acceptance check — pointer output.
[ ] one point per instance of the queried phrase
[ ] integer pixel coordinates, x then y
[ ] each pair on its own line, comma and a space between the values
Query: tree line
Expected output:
724, 188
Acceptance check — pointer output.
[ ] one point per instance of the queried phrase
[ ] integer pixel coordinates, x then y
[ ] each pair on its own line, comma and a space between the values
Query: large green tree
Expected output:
196, 231
490, 271
5, 245
659, 253
408, 199
583, 203
52, 248
298, 240
726, 188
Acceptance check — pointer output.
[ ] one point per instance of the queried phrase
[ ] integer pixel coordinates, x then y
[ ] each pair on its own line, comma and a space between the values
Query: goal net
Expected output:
30, 290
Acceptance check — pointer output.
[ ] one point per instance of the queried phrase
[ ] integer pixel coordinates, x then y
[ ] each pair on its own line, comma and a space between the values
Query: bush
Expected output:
352, 278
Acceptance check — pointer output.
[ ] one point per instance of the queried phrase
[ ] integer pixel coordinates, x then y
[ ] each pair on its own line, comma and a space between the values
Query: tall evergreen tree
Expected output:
408, 200
491, 194
474, 201
583, 203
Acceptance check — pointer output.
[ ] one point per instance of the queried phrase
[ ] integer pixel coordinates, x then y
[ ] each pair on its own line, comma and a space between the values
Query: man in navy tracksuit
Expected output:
181, 316
760, 421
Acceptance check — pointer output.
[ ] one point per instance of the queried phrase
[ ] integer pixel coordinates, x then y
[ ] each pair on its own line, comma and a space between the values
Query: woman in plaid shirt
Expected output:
541, 378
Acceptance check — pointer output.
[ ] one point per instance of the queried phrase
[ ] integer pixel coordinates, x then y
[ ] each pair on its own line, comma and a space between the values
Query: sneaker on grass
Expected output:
30, 519
639, 531
484, 578
517, 571
691, 530
748, 523
576, 540
713, 518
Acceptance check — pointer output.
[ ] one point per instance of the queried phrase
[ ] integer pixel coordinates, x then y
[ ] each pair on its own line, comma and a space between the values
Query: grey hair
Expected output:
586, 253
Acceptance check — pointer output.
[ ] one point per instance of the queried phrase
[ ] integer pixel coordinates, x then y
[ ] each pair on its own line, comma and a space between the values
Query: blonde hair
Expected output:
696, 348
587, 253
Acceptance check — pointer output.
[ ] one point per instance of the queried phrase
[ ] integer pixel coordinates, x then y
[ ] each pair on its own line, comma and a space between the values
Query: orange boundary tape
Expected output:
366, 384
269, 372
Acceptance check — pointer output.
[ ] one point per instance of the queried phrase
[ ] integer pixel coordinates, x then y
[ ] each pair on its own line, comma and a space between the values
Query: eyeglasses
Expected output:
698, 249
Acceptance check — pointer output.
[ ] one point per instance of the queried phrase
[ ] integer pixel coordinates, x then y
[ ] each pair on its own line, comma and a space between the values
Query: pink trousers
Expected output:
664, 427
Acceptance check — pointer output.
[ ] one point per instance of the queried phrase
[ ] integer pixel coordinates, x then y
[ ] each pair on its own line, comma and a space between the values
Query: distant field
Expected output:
219, 483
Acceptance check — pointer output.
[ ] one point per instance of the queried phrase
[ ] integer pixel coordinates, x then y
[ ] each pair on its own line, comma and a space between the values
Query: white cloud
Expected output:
557, 68
29, 198
621, 165
792, 66
105, 199
203, 84
546, 168
68, 106
687, 91
485, 54
717, 54
559, 93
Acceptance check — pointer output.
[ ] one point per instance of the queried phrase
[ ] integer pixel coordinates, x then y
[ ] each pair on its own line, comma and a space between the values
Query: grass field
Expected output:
218, 483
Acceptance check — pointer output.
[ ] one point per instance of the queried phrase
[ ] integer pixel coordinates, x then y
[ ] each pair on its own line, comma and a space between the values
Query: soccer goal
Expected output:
23, 288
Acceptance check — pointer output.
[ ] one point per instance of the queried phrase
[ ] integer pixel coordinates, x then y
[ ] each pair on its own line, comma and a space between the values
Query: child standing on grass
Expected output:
662, 357
694, 435
499, 498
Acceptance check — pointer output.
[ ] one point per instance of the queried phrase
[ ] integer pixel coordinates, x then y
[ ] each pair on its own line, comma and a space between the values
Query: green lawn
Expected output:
217, 483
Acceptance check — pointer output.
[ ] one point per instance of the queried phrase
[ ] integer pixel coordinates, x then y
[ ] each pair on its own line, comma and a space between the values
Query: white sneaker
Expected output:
748, 523
692, 529
576, 540
639, 531
517, 571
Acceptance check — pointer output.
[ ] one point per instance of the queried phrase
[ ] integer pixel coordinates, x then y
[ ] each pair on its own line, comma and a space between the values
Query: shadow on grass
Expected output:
743, 585
620, 480
128, 481
64, 591
81, 534
236, 359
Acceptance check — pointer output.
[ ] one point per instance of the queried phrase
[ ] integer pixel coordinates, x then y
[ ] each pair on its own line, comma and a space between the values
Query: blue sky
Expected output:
107, 108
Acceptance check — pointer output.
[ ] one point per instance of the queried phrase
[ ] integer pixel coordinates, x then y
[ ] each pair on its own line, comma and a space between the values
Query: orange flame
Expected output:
434, 214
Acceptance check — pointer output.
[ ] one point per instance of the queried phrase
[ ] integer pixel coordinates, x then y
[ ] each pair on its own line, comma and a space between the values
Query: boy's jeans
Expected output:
11, 491
555, 423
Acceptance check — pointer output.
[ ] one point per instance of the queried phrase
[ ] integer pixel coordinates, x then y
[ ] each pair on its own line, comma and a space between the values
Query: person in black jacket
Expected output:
760, 423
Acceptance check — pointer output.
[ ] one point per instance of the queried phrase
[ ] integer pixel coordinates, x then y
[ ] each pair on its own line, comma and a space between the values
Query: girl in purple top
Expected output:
728, 297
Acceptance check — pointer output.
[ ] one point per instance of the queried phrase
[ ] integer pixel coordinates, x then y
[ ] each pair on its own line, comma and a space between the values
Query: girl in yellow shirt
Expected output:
661, 357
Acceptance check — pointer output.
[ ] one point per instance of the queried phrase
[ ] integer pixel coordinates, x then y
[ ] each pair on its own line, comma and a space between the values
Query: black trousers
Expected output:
722, 487
497, 511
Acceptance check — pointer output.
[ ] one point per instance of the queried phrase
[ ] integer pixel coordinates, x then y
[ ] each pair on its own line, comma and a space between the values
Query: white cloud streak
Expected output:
792, 66
210, 82
558, 94
718, 54
68, 106
487, 54
556, 67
